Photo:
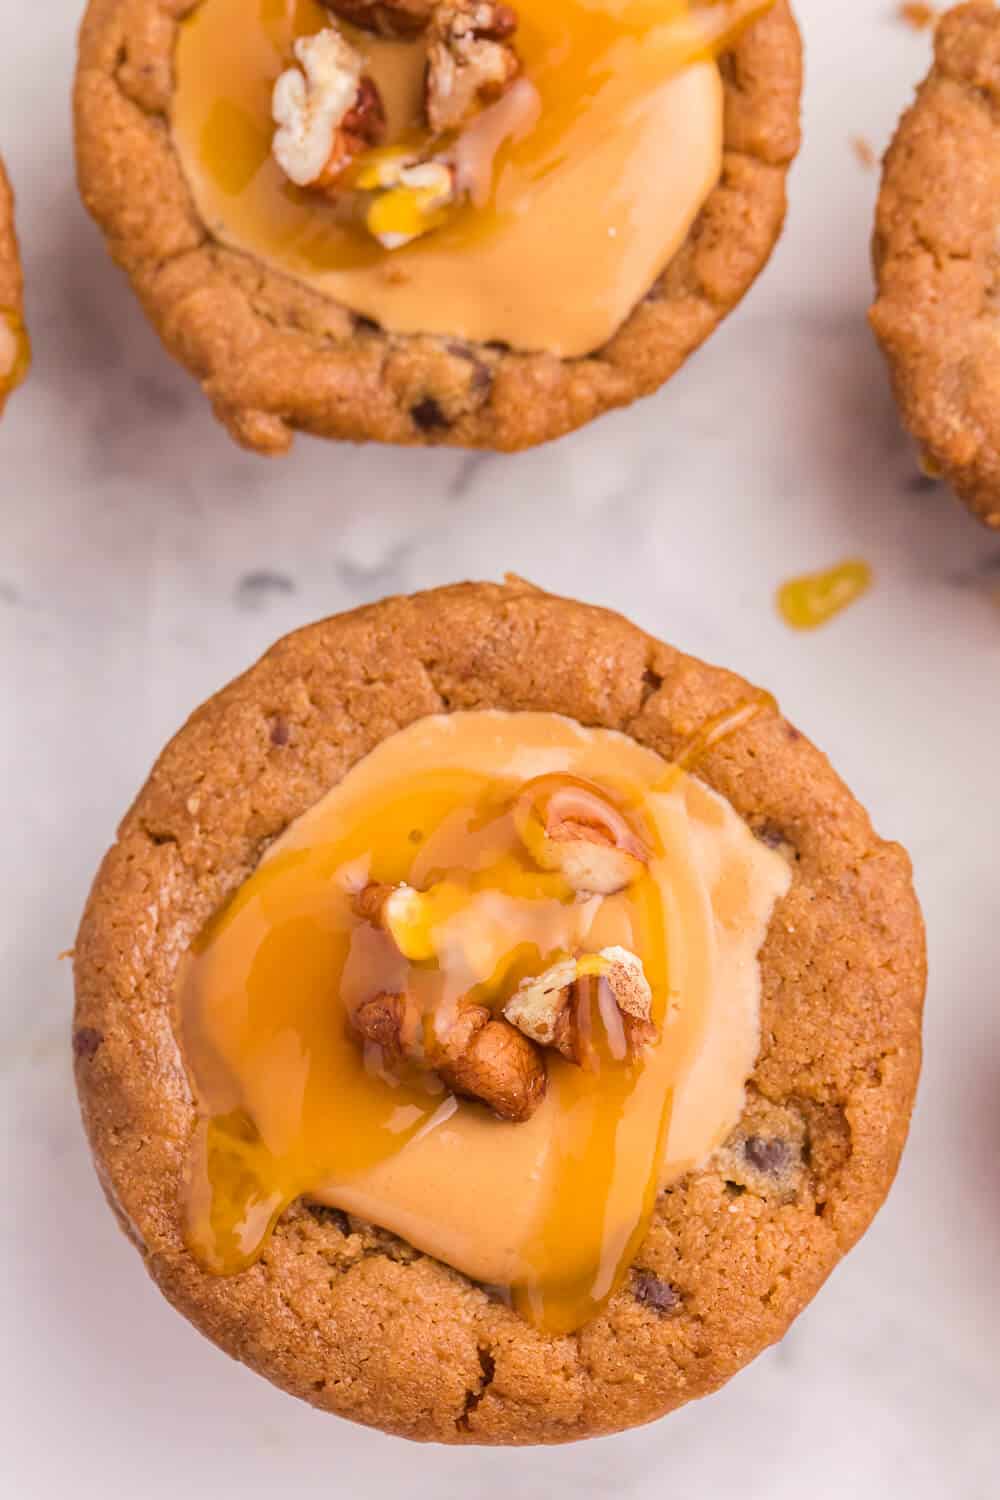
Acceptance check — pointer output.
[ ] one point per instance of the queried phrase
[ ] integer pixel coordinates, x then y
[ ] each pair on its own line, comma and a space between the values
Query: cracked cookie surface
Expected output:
11, 279
937, 263
349, 1317
275, 357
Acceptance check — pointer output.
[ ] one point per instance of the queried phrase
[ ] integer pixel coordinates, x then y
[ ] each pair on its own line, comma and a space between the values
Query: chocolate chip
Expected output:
771, 835
279, 731
327, 1215
86, 1041
366, 325
771, 1156
651, 683
776, 838
659, 1296
427, 415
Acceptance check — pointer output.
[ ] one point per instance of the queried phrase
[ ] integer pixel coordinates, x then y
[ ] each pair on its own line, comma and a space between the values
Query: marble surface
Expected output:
144, 560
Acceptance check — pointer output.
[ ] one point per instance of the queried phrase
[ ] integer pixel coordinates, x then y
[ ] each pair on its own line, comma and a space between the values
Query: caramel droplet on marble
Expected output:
814, 598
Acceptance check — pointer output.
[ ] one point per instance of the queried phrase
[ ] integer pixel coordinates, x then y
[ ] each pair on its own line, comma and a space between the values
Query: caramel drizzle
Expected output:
711, 733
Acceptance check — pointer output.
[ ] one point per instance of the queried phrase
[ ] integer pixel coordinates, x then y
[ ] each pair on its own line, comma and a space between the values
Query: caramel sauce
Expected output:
811, 600
550, 1209
719, 727
625, 146
15, 351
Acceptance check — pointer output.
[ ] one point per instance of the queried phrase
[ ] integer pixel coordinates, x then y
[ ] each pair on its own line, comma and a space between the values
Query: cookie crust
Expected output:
273, 356
936, 266
349, 1317
11, 278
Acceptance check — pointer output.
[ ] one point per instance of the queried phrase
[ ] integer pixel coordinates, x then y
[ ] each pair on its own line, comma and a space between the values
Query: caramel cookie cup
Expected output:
274, 356
14, 348
935, 261
353, 1319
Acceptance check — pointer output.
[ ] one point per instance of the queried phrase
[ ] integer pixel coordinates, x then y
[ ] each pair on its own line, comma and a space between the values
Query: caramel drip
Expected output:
720, 727
814, 598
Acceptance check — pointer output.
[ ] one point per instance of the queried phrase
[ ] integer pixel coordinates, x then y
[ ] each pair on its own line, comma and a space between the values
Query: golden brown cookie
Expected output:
353, 1319
274, 356
14, 350
936, 263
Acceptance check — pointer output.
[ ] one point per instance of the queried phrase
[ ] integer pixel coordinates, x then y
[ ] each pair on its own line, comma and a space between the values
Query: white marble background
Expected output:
143, 560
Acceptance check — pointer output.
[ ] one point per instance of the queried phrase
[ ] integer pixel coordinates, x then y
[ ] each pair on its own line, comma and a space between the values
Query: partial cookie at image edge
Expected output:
11, 297
934, 254
274, 357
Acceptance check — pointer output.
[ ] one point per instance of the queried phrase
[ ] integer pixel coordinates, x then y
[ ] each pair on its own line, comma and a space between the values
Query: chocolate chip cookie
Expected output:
935, 253
14, 350
274, 356
355, 1320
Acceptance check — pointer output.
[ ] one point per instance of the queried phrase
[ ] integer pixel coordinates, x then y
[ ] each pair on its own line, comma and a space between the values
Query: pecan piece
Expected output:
389, 18
382, 1020
362, 127
327, 111
470, 59
553, 1008
567, 825
486, 1058
476, 1055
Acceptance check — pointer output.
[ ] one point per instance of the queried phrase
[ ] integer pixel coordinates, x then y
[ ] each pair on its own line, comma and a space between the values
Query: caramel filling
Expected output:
552, 1208
595, 165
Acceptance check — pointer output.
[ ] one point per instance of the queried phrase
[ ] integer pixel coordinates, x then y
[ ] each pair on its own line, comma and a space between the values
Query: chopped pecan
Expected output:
361, 128
389, 18
554, 1008
470, 59
382, 1020
567, 825
476, 1055
327, 111
486, 1058
370, 903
